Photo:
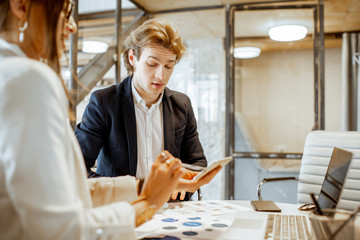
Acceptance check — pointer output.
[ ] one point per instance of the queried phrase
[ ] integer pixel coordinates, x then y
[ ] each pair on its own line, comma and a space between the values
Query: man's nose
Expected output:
160, 73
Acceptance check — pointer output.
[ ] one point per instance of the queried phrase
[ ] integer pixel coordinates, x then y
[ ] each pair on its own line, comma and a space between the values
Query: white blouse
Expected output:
43, 187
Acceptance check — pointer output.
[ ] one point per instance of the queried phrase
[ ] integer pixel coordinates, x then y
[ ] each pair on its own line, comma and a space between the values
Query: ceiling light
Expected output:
66, 74
246, 52
94, 47
287, 33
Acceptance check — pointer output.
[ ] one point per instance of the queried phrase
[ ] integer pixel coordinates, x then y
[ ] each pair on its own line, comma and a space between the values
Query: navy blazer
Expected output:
107, 131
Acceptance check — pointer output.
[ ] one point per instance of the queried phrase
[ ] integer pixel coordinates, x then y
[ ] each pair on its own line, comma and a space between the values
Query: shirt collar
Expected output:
10, 49
135, 93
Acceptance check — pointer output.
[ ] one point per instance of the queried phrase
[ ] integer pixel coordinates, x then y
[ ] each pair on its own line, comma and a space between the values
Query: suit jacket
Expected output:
107, 131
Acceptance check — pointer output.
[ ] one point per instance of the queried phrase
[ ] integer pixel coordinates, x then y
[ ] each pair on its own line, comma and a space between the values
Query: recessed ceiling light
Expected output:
287, 33
94, 46
246, 52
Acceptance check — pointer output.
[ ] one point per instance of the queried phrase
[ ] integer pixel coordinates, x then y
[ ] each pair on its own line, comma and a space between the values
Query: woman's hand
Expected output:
162, 180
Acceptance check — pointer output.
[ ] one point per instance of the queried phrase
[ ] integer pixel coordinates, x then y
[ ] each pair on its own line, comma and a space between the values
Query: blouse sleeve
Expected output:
106, 190
33, 147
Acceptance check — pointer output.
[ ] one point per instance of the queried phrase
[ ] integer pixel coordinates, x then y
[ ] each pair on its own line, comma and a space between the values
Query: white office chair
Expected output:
317, 152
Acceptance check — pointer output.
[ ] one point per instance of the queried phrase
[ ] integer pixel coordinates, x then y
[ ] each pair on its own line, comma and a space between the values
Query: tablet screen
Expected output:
334, 179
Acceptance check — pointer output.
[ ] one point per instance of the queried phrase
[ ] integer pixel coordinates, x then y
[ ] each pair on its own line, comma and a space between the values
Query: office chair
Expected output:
316, 156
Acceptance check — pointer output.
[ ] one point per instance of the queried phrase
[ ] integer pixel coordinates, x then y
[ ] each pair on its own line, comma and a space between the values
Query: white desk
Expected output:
205, 220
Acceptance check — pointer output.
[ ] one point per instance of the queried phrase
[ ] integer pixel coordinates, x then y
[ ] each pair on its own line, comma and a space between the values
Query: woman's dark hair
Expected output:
52, 9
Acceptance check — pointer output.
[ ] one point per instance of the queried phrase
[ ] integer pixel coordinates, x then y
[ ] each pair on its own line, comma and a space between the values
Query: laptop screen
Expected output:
334, 179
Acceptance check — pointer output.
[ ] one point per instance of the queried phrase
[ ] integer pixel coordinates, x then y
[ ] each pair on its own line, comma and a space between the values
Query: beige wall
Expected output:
275, 95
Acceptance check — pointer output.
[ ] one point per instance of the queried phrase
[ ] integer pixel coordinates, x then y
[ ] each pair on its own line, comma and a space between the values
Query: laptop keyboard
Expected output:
290, 227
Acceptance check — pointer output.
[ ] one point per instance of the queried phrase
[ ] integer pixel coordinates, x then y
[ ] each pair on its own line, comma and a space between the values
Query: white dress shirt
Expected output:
43, 186
150, 132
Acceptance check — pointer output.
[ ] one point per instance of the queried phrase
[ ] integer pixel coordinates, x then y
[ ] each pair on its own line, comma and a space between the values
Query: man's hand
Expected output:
163, 178
187, 184
176, 193
188, 176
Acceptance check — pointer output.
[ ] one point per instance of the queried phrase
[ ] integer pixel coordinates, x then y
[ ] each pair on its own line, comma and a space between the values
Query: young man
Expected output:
125, 127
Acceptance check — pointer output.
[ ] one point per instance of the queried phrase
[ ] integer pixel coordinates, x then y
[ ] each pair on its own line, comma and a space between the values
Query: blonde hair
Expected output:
157, 31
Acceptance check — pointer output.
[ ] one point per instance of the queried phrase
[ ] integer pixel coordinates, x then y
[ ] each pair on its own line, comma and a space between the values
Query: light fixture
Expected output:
246, 52
287, 33
90, 46
66, 74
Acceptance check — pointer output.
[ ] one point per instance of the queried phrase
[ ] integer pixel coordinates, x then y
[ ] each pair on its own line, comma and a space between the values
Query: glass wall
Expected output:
201, 75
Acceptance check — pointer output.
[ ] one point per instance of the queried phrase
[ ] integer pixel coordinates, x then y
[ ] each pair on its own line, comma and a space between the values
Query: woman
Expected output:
43, 188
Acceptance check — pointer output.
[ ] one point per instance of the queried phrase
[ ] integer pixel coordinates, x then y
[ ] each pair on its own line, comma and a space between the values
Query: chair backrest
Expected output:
316, 156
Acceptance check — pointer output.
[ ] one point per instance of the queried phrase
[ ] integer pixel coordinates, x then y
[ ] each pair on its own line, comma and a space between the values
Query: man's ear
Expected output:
132, 57
20, 8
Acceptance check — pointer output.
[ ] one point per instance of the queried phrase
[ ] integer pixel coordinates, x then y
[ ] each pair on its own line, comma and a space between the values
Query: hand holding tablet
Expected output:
194, 179
221, 162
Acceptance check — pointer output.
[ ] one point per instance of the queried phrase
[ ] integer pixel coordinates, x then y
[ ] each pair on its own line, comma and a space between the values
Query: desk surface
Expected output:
199, 220
204, 220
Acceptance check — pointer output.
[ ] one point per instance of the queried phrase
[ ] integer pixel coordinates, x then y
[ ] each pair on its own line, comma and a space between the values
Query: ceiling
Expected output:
251, 27
206, 19
340, 15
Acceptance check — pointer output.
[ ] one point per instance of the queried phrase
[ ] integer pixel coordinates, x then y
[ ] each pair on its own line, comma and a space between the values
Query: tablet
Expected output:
221, 162
192, 167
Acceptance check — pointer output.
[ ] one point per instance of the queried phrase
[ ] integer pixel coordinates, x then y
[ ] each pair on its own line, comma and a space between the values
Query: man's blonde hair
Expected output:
157, 31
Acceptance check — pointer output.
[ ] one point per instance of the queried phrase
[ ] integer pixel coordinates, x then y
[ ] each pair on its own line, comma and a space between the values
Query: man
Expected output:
125, 127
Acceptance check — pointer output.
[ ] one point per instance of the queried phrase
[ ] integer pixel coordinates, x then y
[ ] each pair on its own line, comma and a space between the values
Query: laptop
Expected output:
334, 179
260, 225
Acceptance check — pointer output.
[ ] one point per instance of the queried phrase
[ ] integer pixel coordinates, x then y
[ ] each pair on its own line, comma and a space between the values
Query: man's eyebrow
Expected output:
156, 58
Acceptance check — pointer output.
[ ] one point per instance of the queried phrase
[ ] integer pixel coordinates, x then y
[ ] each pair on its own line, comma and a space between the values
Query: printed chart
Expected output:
191, 220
